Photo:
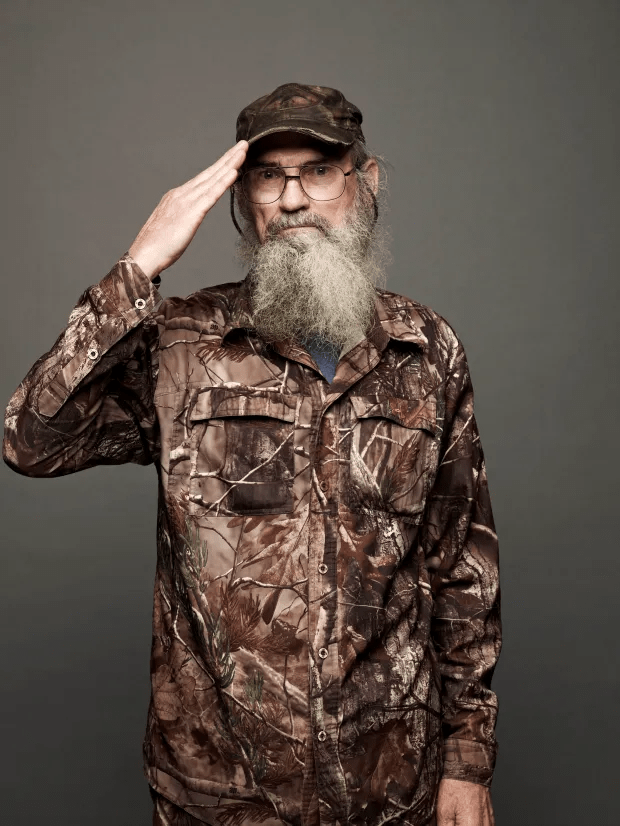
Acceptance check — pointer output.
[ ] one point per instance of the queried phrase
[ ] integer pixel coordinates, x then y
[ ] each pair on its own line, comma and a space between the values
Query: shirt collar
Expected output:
399, 318
240, 313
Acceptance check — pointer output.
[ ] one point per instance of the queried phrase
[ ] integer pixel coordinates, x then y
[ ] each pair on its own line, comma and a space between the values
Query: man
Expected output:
326, 617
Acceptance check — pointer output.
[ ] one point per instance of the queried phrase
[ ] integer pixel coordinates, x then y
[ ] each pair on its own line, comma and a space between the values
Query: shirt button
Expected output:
139, 304
322, 568
323, 486
323, 652
93, 353
322, 735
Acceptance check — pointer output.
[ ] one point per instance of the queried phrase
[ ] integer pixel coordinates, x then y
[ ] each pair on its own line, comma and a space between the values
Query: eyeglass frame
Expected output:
346, 174
298, 177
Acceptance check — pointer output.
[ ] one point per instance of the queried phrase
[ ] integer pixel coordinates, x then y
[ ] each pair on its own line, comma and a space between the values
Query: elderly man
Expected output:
326, 616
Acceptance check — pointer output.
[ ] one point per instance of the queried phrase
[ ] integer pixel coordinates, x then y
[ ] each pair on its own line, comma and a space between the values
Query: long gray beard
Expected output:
316, 287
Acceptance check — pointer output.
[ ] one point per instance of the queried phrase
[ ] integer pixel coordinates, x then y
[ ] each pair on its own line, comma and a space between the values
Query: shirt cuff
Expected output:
468, 760
131, 260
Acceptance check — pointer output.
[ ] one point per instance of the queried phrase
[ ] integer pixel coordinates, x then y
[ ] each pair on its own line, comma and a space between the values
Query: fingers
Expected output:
212, 189
212, 183
231, 159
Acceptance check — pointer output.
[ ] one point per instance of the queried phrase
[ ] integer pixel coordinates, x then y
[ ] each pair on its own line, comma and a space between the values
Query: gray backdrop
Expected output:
500, 121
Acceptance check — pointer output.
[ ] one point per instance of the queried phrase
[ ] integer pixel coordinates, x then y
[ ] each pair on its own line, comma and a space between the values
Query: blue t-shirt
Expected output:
323, 352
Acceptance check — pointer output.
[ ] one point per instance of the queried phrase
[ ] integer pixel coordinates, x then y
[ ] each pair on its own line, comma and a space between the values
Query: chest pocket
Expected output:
241, 451
392, 455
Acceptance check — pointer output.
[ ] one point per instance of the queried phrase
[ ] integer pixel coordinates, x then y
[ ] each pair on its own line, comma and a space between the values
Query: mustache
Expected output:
296, 219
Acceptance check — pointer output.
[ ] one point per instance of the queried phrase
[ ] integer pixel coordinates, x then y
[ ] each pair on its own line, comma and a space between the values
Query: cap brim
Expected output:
324, 133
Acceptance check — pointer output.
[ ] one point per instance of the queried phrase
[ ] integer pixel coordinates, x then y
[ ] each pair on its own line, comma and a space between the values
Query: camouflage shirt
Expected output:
326, 601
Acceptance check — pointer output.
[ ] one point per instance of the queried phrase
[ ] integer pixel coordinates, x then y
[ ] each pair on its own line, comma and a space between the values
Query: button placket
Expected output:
324, 669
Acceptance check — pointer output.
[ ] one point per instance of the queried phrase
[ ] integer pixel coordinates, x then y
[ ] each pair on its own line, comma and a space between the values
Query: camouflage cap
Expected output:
318, 111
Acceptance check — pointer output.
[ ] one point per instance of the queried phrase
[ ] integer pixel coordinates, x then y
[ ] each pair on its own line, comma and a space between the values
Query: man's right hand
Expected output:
176, 218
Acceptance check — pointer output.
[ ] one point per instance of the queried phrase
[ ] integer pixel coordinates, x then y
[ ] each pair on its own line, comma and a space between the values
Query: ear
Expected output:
371, 168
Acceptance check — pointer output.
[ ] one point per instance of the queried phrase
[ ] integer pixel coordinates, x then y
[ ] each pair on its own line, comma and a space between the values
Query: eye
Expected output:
267, 175
320, 171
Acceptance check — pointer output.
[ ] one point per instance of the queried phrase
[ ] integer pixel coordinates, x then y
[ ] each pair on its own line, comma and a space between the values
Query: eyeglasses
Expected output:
321, 182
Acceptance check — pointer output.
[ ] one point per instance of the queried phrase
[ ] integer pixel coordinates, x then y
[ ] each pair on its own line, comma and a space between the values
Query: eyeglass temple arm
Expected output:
232, 211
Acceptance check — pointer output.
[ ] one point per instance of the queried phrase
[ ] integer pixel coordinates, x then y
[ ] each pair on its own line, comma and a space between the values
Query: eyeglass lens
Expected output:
320, 182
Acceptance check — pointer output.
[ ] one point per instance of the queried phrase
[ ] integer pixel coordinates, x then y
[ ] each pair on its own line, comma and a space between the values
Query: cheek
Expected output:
337, 213
261, 218
350, 193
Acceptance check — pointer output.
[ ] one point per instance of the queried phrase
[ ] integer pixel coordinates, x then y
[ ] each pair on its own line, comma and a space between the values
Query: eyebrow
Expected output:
274, 165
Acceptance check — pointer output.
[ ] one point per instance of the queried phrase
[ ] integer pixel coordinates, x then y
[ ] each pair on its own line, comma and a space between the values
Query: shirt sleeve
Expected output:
89, 400
461, 549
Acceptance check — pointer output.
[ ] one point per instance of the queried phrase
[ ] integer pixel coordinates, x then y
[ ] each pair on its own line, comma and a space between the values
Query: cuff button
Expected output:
93, 353
139, 303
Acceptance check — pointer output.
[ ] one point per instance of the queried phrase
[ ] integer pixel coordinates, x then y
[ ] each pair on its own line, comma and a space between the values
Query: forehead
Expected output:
283, 147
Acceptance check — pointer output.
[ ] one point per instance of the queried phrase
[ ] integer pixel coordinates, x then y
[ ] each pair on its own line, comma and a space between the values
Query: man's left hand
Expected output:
460, 803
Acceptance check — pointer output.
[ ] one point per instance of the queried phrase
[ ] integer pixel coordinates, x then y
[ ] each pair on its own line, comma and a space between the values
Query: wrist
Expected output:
146, 263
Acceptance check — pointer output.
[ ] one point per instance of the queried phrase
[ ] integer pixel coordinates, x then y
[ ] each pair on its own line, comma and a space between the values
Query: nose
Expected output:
293, 198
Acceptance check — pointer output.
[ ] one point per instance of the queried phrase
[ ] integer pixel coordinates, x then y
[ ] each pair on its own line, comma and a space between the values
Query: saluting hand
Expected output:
176, 218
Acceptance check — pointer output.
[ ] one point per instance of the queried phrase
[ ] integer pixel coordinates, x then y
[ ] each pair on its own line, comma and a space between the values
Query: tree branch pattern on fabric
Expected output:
326, 604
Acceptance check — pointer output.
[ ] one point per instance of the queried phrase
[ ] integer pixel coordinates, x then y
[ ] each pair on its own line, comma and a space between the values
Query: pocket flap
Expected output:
221, 402
413, 413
